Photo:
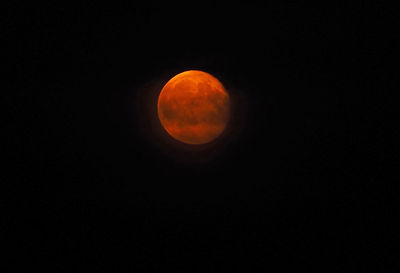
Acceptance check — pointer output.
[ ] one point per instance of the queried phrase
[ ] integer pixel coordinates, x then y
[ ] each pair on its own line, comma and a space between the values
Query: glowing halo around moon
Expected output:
194, 107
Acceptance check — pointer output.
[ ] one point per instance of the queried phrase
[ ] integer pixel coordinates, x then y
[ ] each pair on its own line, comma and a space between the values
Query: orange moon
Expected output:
193, 107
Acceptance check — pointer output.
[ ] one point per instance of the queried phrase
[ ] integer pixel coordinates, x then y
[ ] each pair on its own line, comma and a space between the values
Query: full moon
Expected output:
193, 107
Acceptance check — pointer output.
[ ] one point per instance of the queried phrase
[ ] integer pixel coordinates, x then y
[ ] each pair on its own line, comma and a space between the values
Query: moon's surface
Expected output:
193, 107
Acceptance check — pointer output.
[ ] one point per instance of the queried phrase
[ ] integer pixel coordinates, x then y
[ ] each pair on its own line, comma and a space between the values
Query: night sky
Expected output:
299, 181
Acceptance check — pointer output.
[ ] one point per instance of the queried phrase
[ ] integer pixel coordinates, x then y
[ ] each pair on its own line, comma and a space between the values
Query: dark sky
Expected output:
300, 181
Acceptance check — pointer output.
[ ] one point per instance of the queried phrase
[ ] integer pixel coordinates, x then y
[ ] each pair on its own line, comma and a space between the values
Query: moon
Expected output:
194, 107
